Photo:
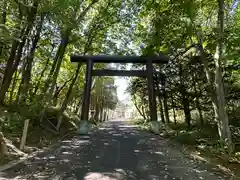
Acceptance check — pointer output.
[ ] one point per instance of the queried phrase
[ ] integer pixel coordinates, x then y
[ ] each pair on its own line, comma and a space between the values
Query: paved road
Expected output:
117, 151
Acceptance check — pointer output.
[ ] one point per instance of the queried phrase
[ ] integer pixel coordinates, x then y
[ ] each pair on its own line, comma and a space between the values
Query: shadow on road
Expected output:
116, 151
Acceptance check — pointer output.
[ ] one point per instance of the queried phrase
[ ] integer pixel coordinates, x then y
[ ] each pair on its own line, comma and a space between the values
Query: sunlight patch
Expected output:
136, 151
98, 176
152, 138
121, 171
67, 152
66, 141
51, 157
92, 176
80, 142
105, 128
65, 160
161, 153
127, 126
117, 134
197, 157
116, 175
57, 177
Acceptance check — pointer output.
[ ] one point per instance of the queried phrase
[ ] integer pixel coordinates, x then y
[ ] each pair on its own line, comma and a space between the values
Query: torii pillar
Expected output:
87, 90
151, 91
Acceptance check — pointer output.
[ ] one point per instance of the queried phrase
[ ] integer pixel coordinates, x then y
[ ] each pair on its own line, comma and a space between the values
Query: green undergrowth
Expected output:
39, 134
202, 142
141, 123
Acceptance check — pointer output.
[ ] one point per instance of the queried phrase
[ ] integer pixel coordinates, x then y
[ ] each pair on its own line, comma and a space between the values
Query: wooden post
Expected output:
87, 91
24, 134
3, 146
151, 91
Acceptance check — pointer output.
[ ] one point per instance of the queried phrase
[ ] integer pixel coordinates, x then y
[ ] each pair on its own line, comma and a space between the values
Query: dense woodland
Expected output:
39, 83
201, 90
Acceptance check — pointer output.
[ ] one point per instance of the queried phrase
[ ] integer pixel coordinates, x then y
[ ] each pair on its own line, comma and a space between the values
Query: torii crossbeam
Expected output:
147, 60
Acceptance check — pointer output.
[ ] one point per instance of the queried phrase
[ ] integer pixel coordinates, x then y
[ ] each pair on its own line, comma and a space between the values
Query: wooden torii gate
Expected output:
90, 60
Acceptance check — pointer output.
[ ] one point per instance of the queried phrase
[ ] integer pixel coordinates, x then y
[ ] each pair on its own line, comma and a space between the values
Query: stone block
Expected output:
84, 127
155, 127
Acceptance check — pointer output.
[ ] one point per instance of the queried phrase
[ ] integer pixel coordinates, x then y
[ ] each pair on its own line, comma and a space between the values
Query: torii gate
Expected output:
90, 60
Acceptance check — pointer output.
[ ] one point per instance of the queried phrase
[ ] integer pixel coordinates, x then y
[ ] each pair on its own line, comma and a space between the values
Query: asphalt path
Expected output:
116, 151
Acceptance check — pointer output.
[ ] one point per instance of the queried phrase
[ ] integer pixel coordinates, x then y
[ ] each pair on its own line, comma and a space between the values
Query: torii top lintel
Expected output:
119, 59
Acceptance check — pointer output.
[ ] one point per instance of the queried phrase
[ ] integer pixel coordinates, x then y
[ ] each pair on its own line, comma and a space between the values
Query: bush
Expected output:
11, 122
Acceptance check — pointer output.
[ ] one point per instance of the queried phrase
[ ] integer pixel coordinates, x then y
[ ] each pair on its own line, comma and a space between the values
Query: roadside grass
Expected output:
201, 143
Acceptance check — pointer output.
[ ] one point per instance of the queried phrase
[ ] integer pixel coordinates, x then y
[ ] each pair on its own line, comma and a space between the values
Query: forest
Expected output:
198, 102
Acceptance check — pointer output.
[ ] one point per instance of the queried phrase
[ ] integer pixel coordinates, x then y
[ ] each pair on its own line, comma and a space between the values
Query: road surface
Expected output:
117, 151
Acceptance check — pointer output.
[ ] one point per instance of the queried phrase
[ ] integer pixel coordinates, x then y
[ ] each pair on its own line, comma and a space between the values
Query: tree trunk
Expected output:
4, 12
105, 116
138, 109
24, 65
210, 85
174, 116
67, 98
8, 72
187, 111
165, 99
78, 107
31, 18
27, 72
184, 98
160, 104
48, 81
95, 101
59, 57
24, 134
3, 21
173, 105
42, 74
11, 64
13, 87
52, 79
198, 106
74, 105
58, 90
225, 133
147, 117
101, 113
3, 146
97, 111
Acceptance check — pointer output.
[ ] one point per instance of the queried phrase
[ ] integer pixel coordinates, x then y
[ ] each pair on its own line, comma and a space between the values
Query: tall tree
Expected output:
224, 132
